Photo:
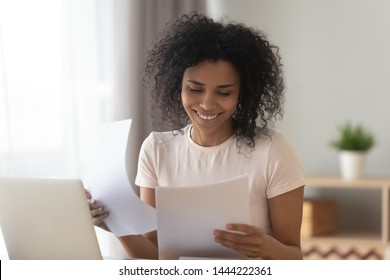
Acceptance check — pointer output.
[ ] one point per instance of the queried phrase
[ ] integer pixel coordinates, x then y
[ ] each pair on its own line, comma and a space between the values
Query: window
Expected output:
54, 85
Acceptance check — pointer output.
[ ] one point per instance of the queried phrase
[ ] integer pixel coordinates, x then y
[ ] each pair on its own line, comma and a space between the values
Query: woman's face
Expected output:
209, 94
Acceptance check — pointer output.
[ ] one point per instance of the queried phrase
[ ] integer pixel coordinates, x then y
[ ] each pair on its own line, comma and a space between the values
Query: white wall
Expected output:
337, 67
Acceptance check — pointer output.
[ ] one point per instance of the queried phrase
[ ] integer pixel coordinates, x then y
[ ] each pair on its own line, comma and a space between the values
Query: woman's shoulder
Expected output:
267, 141
165, 137
278, 135
270, 136
279, 144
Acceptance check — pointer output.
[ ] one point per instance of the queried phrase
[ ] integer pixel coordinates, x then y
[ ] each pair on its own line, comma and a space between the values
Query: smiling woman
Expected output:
209, 94
219, 86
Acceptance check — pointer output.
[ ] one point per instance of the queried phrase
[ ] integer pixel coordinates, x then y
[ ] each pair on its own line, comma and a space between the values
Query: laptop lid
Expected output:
46, 219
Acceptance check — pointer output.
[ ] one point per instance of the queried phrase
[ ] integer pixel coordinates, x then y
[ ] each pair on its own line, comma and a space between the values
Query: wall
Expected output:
336, 64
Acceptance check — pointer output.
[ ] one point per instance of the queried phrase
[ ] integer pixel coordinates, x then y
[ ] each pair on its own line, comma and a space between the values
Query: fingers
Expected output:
88, 194
98, 212
98, 216
92, 203
239, 232
246, 229
98, 219
246, 239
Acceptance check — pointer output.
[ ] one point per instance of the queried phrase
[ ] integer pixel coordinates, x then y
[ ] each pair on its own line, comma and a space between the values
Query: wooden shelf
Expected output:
375, 239
348, 237
335, 182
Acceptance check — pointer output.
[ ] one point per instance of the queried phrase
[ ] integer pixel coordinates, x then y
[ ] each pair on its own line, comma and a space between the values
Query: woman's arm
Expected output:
286, 217
142, 246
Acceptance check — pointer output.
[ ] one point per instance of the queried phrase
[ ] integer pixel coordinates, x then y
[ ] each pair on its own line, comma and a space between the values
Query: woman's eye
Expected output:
194, 90
224, 93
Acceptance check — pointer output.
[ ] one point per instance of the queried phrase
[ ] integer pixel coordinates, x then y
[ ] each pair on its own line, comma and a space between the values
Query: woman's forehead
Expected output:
220, 72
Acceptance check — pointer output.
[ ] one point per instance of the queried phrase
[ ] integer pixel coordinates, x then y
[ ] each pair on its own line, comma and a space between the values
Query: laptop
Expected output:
46, 219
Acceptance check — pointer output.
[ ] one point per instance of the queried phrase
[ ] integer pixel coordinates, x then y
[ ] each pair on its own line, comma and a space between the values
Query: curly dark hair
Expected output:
193, 38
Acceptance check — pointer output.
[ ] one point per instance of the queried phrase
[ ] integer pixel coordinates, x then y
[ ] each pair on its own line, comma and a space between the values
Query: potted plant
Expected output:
353, 143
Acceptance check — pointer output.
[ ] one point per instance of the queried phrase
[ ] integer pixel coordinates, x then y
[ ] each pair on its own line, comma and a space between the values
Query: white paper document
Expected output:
108, 183
187, 217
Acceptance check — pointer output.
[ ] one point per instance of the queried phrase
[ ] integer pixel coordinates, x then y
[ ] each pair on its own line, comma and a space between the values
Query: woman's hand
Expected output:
254, 242
249, 240
98, 212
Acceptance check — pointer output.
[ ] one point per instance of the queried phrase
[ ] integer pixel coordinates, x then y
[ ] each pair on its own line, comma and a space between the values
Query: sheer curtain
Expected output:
56, 85
65, 67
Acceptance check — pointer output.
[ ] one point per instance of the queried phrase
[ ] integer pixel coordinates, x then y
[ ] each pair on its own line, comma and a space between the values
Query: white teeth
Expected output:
208, 118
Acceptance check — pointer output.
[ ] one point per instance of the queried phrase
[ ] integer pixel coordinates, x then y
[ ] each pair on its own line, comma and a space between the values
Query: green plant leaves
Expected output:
353, 138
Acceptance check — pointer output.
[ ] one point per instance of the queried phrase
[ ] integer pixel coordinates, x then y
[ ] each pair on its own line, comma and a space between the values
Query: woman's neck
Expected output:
210, 139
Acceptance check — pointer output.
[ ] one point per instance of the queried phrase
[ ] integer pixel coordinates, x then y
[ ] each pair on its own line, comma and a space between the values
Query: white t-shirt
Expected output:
174, 159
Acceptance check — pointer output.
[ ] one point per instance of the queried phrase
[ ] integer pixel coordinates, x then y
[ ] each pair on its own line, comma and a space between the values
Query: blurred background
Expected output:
67, 66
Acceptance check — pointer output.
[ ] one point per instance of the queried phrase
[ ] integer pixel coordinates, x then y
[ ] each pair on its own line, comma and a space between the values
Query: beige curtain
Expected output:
135, 25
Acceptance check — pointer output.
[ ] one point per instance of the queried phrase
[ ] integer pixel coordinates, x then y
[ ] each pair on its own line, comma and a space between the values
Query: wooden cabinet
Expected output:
346, 244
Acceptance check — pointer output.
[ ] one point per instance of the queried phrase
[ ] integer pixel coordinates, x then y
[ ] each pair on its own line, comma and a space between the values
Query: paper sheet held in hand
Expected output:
187, 217
108, 183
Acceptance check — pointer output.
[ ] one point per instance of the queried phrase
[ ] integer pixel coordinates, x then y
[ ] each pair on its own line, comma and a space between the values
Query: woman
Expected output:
219, 87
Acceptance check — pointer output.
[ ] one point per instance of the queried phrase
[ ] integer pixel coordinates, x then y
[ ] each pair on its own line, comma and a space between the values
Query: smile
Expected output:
207, 117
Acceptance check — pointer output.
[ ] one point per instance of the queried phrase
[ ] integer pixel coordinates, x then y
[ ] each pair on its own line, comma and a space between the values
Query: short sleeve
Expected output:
146, 171
284, 172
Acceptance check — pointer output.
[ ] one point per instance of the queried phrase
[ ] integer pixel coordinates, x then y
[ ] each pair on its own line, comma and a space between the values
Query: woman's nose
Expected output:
208, 101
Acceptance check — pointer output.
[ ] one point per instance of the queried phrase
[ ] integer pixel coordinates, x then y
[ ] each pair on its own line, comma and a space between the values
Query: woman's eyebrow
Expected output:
219, 86
226, 86
196, 82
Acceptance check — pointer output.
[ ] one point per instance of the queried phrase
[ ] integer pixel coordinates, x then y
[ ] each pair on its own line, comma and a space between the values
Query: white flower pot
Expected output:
352, 164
